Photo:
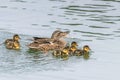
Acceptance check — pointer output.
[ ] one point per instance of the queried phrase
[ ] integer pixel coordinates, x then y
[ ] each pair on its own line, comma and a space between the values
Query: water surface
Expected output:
92, 22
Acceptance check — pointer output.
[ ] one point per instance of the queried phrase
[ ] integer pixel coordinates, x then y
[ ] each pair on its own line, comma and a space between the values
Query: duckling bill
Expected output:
13, 43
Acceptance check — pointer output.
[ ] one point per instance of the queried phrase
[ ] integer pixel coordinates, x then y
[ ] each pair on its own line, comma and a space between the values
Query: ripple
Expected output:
71, 24
34, 24
104, 19
94, 33
58, 0
3, 6
83, 10
45, 25
109, 0
99, 27
99, 5
22, 1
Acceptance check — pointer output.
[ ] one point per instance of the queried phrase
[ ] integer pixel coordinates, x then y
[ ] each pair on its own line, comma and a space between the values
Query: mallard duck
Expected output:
13, 43
80, 52
45, 44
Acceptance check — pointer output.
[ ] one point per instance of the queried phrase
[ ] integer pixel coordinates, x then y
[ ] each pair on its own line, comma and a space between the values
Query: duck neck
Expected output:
55, 35
64, 42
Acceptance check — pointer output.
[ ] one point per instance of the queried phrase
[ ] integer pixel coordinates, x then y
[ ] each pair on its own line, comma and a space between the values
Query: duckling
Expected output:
84, 52
78, 52
65, 53
56, 53
13, 43
45, 45
86, 49
73, 47
74, 44
61, 52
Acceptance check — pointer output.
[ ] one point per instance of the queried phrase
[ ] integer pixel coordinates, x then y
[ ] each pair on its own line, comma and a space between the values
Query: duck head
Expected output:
16, 37
73, 48
86, 48
66, 50
74, 44
59, 34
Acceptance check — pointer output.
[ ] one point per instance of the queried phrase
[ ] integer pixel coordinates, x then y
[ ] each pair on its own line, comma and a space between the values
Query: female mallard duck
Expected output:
13, 43
84, 52
45, 44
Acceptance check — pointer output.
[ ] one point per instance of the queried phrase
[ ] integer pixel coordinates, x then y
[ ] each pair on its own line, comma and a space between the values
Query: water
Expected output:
92, 22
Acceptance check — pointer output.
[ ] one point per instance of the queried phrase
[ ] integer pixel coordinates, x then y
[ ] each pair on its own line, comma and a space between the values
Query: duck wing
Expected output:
43, 40
42, 46
8, 41
37, 38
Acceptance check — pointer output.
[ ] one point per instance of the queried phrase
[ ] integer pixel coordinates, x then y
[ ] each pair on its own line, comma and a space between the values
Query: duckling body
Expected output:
45, 44
56, 53
78, 52
13, 43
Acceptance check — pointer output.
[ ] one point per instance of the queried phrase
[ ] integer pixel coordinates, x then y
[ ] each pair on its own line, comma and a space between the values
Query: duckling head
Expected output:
73, 48
66, 50
86, 48
16, 37
74, 44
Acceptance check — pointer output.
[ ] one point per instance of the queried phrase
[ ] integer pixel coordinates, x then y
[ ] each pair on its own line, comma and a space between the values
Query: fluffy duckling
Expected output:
73, 47
78, 52
13, 43
56, 43
84, 52
65, 53
56, 53
86, 49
